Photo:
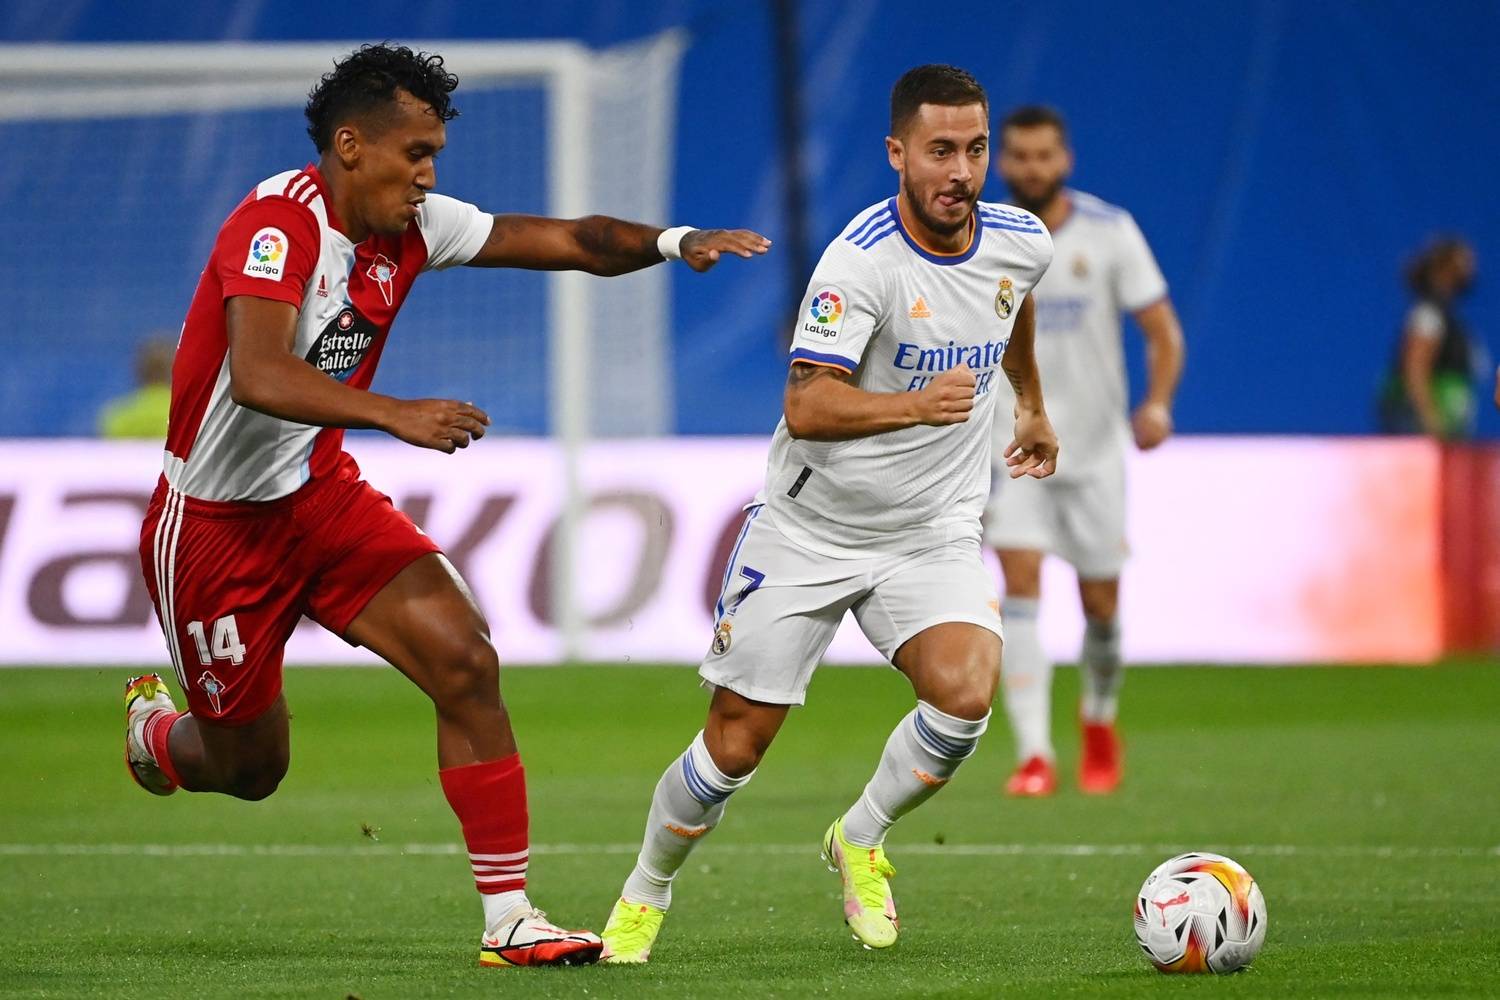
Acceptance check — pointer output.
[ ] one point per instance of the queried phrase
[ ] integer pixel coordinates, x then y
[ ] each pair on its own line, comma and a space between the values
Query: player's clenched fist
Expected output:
441, 424
948, 398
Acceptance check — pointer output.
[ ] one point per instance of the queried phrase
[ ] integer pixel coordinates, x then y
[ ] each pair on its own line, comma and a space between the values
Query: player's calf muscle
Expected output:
247, 762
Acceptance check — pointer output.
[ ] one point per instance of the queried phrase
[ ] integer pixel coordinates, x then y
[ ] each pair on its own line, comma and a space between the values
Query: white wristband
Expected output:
670, 242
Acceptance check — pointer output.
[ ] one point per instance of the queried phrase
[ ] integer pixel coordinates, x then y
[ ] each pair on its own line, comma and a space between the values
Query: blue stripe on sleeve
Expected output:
803, 354
996, 224
877, 236
875, 219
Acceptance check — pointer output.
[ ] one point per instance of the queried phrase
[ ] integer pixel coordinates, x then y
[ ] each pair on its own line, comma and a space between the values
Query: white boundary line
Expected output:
809, 849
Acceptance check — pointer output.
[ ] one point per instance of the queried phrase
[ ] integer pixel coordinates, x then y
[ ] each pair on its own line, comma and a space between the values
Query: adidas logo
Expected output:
919, 309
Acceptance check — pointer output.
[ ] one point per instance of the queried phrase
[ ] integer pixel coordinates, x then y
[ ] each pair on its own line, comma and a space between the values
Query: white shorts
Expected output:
781, 605
1081, 520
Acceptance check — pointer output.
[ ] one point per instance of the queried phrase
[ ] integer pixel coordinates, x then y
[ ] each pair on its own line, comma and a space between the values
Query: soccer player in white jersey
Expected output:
261, 517
876, 482
1103, 269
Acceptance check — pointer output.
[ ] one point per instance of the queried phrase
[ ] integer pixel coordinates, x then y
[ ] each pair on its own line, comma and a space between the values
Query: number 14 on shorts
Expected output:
224, 645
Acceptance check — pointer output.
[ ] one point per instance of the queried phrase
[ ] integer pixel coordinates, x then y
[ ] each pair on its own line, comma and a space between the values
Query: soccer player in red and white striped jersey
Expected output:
261, 517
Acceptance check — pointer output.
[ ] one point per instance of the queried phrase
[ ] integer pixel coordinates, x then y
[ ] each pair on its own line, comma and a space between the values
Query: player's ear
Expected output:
346, 144
895, 153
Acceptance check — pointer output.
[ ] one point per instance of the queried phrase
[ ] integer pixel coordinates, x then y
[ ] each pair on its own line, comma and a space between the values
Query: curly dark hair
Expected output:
933, 84
365, 82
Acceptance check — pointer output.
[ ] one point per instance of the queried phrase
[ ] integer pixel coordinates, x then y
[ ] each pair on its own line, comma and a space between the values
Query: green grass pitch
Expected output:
1363, 800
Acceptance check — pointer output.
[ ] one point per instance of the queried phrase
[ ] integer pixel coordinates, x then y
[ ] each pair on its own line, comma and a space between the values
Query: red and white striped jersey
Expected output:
283, 242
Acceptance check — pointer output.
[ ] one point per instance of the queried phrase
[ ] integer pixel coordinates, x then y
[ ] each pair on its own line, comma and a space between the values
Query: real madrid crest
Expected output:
1005, 299
721, 640
1080, 267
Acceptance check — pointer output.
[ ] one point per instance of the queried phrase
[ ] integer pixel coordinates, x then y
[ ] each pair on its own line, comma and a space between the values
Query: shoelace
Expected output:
869, 875
633, 928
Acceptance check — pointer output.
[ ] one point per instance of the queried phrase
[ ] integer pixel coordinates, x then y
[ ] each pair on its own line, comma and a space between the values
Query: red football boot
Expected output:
1034, 779
1099, 770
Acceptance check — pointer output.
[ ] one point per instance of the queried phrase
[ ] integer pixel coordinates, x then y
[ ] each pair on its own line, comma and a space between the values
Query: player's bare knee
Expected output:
967, 692
985, 686
739, 750
469, 673
1100, 599
736, 744
972, 702
1101, 609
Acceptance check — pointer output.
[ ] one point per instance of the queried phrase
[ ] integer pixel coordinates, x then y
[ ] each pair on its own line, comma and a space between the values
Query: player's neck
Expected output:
945, 243
1056, 211
336, 195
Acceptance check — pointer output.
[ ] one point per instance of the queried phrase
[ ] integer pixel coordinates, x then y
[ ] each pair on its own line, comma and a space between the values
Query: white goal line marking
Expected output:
810, 849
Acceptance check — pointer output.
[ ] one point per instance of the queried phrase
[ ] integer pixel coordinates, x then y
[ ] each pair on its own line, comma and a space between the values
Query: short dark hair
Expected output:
368, 78
1034, 116
933, 84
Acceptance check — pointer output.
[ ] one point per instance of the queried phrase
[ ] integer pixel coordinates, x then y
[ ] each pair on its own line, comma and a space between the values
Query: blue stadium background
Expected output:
1283, 158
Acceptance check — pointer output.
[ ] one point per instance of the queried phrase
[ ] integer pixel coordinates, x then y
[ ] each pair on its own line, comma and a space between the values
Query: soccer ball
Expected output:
1200, 912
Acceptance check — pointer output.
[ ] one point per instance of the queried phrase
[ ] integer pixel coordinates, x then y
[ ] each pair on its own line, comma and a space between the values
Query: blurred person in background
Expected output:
1433, 382
142, 413
1102, 268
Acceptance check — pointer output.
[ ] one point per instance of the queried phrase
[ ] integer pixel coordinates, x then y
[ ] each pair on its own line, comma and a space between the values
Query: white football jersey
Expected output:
1103, 268
895, 314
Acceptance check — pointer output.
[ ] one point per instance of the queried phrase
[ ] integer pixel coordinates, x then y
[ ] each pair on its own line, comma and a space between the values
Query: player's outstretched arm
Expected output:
1152, 421
821, 404
264, 375
1033, 451
604, 246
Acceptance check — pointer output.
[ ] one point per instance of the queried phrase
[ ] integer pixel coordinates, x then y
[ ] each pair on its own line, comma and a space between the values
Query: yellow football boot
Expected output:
869, 907
631, 932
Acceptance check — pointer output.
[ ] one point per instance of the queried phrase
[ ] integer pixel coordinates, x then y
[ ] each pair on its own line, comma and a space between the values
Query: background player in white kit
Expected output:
876, 482
1103, 268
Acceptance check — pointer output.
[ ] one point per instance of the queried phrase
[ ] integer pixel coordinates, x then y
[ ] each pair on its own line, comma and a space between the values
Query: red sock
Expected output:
489, 799
158, 727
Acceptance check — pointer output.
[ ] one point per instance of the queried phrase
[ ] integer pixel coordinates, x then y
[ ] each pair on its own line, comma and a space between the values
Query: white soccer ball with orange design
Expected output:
1200, 912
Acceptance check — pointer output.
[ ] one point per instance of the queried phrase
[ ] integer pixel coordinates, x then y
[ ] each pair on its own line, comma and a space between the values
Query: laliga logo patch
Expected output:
825, 315
1005, 299
267, 256
382, 271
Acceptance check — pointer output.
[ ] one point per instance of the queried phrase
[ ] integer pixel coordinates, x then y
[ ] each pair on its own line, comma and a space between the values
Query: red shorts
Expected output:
230, 581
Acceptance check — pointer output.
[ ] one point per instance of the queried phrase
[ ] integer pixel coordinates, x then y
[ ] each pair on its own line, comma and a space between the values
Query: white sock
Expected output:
1101, 671
1026, 674
499, 905
689, 802
922, 753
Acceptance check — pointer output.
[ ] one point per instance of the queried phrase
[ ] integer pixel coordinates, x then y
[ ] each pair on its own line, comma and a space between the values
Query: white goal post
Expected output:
627, 93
